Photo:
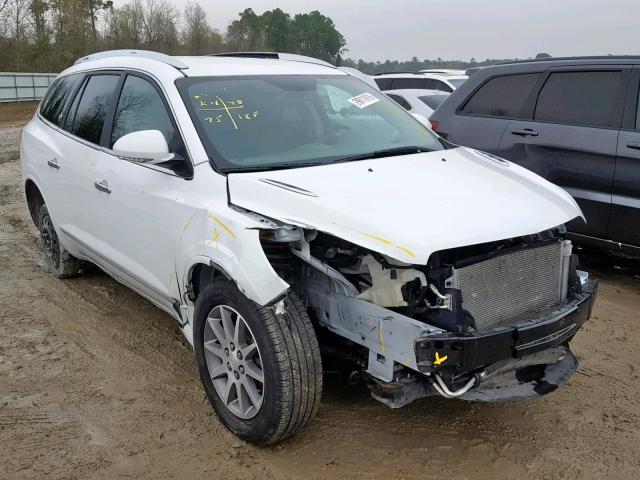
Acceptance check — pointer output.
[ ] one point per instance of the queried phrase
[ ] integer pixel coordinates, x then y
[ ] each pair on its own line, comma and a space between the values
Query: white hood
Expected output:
410, 206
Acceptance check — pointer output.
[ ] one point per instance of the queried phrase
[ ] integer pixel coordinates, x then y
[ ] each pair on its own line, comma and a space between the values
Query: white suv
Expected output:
423, 80
267, 200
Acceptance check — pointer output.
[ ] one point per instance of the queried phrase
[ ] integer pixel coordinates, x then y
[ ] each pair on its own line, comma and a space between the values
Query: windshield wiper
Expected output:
387, 152
276, 166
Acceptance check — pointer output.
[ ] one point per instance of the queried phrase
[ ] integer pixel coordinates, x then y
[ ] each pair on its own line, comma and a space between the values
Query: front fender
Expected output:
233, 249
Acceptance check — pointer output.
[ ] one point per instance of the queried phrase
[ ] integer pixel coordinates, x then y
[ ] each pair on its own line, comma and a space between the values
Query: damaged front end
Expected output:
489, 322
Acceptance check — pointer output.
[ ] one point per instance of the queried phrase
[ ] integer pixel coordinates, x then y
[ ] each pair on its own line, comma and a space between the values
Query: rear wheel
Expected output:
260, 367
60, 262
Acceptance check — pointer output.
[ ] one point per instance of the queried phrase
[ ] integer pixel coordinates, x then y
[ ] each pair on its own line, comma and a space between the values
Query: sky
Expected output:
462, 29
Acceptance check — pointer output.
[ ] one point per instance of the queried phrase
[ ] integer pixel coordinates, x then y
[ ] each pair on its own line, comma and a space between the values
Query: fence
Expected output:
20, 87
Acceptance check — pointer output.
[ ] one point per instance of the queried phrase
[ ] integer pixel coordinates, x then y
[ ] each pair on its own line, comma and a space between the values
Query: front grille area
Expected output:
511, 287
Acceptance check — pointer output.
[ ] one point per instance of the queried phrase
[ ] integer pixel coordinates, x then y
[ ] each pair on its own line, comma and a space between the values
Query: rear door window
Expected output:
53, 106
501, 96
579, 98
88, 118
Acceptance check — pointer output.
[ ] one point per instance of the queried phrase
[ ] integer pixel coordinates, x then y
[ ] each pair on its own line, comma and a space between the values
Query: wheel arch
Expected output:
34, 198
203, 269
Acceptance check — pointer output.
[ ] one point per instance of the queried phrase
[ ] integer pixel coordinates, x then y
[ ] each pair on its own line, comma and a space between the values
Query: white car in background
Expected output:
268, 201
419, 80
422, 102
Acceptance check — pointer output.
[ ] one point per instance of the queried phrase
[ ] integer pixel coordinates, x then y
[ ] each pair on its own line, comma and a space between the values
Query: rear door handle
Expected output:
634, 146
53, 163
103, 186
525, 132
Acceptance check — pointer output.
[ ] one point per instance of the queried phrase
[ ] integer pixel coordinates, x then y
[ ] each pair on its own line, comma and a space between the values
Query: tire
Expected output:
289, 357
58, 260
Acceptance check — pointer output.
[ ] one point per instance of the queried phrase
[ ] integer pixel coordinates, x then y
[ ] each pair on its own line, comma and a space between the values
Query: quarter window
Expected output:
92, 108
401, 101
383, 83
140, 107
53, 106
501, 96
437, 85
579, 98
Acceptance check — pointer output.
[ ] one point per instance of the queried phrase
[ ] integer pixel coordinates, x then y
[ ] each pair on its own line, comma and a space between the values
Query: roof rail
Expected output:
160, 57
275, 56
394, 73
553, 59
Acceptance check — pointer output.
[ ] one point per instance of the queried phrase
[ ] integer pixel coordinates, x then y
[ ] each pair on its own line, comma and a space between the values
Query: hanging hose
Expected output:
443, 390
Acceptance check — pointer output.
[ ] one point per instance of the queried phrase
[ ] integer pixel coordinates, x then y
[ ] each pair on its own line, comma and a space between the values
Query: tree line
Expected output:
49, 35
415, 65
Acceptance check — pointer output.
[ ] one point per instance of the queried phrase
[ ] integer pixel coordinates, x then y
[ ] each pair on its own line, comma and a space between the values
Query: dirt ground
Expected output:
16, 114
95, 382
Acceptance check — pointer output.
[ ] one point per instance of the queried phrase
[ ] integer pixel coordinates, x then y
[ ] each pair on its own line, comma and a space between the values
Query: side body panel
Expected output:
579, 159
624, 225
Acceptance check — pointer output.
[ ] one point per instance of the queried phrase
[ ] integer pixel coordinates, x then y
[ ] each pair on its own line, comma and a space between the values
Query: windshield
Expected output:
456, 82
433, 101
255, 123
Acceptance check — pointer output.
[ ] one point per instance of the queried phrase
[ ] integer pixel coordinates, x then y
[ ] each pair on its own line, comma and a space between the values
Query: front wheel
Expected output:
260, 367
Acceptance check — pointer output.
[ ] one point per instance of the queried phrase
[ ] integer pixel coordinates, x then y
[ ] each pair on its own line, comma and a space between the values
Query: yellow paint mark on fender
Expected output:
219, 222
405, 250
439, 360
379, 239
216, 234
187, 225
380, 339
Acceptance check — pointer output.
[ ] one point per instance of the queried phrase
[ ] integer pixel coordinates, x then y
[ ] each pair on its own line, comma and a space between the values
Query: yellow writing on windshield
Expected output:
229, 109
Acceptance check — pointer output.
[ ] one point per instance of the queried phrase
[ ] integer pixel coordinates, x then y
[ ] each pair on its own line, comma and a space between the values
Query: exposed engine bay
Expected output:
487, 322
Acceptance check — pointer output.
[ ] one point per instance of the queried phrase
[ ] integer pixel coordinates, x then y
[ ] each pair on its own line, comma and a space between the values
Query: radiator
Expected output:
513, 286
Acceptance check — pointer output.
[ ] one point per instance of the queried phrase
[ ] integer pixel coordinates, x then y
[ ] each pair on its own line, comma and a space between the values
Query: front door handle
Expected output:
53, 163
525, 132
634, 146
103, 186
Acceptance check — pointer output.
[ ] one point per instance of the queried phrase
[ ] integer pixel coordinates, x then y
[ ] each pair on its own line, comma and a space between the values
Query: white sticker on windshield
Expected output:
363, 100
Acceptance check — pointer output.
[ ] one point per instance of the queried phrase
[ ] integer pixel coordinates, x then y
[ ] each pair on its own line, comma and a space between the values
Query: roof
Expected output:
242, 63
414, 92
443, 71
585, 59
538, 64
228, 66
439, 76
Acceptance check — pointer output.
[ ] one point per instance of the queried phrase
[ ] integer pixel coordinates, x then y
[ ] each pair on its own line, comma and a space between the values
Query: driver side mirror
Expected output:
144, 146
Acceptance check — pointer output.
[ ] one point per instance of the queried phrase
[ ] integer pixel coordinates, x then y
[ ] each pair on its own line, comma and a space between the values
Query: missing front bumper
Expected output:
454, 355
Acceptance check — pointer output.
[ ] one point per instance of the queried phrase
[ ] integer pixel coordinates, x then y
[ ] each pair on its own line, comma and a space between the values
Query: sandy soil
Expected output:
97, 383
16, 114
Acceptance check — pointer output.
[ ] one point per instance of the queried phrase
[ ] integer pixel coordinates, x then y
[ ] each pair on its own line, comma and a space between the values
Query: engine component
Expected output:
386, 284
511, 286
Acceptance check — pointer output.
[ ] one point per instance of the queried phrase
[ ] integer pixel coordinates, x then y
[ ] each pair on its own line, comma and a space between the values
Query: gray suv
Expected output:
574, 121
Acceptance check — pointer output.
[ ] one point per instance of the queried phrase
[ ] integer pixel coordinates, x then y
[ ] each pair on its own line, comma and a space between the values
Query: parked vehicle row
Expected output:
422, 102
574, 121
268, 200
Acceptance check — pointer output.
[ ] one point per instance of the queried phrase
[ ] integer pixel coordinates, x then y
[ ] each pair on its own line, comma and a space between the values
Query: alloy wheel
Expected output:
234, 362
